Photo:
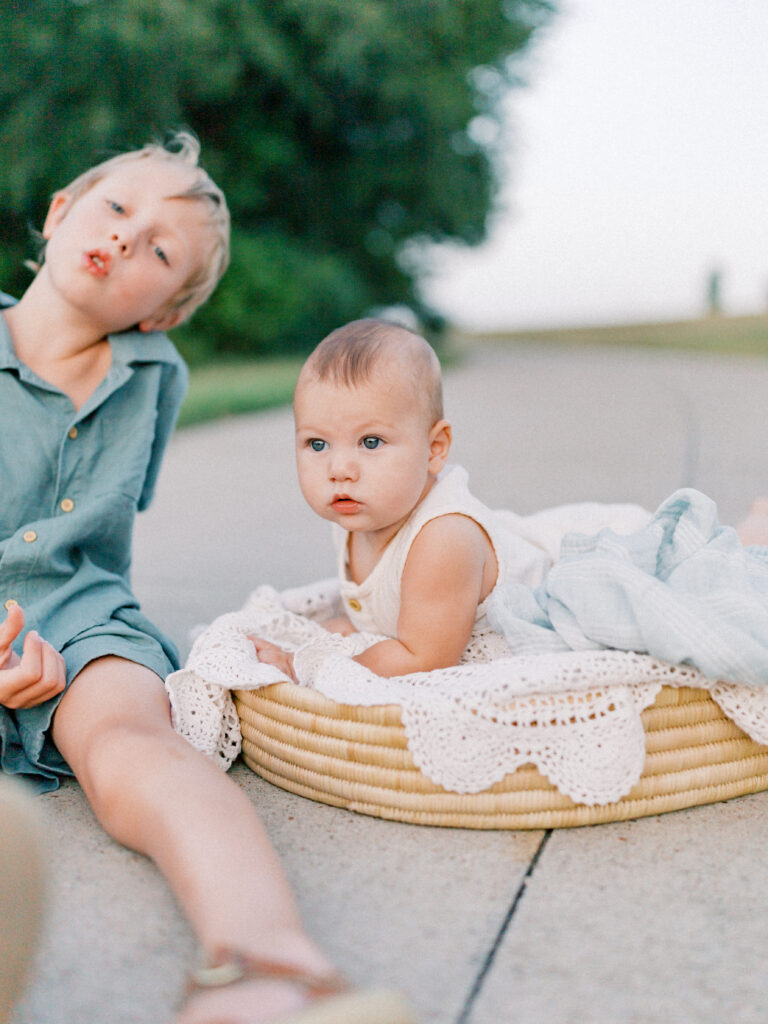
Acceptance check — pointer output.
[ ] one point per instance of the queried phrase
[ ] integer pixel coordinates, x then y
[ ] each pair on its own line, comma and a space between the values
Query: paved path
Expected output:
663, 919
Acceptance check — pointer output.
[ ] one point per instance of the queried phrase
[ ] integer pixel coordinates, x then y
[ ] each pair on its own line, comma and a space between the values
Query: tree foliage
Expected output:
339, 130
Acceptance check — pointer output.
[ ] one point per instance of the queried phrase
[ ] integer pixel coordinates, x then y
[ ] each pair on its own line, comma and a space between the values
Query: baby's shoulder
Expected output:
452, 536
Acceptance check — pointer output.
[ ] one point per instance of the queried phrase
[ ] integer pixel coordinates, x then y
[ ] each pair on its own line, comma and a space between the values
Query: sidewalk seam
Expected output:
474, 992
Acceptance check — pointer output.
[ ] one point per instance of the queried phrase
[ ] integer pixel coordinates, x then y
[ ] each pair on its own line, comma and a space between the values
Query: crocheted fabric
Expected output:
575, 714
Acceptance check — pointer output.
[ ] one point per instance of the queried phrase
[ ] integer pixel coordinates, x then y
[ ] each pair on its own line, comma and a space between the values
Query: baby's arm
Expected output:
450, 569
37, 676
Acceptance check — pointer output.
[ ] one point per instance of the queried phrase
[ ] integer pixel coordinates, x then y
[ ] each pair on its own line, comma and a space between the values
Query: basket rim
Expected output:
357, 757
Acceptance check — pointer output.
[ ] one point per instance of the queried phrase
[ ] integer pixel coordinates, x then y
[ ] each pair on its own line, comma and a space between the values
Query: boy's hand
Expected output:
37, 676
341, 624
9, 630
271, 654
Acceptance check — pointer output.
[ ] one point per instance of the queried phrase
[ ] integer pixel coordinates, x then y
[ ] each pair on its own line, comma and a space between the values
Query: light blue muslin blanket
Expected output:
682, 589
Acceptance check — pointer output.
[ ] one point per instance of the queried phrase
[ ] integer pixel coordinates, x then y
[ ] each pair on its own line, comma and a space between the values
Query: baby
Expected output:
419, 556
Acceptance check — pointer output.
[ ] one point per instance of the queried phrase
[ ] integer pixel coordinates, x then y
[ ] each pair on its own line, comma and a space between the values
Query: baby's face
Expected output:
125, 248
363, 453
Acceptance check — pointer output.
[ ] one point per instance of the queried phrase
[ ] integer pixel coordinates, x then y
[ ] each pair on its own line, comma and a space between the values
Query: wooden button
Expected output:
30, 536
67, 505
10, 603
73, 433
354, 604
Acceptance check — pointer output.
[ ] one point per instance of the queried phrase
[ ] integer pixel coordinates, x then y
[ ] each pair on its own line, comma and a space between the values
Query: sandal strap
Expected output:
231, 967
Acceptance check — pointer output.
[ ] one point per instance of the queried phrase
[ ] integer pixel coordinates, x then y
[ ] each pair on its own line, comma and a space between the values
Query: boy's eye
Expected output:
160, 254
371, 442
317, 444
116, 206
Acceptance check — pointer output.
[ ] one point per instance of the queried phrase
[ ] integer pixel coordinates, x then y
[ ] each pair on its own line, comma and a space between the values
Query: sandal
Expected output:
331, 1000
22, 889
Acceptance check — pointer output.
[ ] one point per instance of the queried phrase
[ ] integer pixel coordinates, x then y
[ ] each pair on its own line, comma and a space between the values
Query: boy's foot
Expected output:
22, 889
249, 991
754, 528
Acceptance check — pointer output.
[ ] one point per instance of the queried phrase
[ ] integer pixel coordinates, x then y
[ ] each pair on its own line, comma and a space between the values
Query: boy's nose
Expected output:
123, 241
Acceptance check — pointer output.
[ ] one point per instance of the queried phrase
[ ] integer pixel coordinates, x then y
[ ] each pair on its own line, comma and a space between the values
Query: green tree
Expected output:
339, 131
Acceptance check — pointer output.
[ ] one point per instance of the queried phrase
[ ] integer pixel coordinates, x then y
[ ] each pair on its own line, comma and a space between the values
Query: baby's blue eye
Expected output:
317, 445
116, 206
371, 443
160, 254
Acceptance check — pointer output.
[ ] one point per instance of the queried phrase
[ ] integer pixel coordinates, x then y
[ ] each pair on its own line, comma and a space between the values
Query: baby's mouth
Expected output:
344, 504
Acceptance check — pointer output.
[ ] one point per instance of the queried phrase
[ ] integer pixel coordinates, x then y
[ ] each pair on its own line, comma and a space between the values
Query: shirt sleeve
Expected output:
175, 378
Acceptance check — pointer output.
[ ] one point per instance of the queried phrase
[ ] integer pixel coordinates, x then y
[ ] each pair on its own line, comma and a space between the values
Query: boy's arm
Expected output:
447, 574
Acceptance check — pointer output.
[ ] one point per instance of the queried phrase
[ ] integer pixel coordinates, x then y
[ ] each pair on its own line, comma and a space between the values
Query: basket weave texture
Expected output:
358, 758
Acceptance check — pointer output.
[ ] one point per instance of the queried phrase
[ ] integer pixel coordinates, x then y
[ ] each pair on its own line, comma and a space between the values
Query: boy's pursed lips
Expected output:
97, 262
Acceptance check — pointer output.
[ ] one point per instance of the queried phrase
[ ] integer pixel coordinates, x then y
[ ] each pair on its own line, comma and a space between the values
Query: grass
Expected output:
228, 388
231, 388
743, 335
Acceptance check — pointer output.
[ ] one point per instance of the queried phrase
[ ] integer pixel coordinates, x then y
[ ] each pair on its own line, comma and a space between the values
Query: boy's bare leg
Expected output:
753, 529
152, 791
23, 883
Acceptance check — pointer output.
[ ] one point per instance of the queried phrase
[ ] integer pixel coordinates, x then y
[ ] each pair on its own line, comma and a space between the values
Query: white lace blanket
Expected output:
574, 714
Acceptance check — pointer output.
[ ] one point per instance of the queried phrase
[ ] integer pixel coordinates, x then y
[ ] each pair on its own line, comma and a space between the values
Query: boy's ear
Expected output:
440, 437
162, 322
60, 204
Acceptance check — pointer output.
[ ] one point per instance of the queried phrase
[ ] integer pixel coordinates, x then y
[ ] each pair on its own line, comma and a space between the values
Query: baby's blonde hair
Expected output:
181, 148
349, 355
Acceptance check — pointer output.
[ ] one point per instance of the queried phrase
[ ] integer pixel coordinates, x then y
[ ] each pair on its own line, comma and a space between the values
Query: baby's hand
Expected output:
271, 654
339, 625
37, 676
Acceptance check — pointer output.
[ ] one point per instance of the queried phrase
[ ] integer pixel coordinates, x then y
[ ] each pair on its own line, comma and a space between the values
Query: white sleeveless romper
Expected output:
373, 606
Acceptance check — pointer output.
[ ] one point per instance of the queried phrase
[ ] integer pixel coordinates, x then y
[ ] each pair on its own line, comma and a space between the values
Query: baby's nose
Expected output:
343, 467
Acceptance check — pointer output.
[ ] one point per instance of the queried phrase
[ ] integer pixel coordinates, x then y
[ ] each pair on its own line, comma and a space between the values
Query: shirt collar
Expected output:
139, 347
8, 358
128, 347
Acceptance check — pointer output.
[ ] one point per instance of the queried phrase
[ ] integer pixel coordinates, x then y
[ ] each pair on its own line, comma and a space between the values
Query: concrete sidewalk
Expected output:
664, 919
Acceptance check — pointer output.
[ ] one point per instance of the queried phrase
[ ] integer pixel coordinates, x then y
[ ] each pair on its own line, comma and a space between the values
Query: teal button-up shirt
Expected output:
70, 485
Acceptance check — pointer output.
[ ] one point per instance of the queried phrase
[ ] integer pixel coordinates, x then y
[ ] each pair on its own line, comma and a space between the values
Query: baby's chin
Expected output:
352, 523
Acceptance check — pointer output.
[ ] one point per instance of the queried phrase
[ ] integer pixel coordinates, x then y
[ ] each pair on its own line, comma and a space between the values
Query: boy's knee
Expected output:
117, 770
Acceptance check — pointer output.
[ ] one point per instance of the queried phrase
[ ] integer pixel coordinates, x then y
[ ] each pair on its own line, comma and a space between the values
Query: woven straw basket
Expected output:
358, 758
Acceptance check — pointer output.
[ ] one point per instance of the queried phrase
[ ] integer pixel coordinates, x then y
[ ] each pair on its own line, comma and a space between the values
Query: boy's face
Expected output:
366, 455
122, 250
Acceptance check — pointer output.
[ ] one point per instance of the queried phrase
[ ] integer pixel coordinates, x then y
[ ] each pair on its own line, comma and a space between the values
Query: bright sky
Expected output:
638, 162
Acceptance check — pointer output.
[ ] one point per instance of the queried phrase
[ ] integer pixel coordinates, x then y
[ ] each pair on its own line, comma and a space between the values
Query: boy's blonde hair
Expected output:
181, 148
349, 355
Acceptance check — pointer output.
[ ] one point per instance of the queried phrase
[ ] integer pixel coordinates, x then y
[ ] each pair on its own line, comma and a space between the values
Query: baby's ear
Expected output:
440, 437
